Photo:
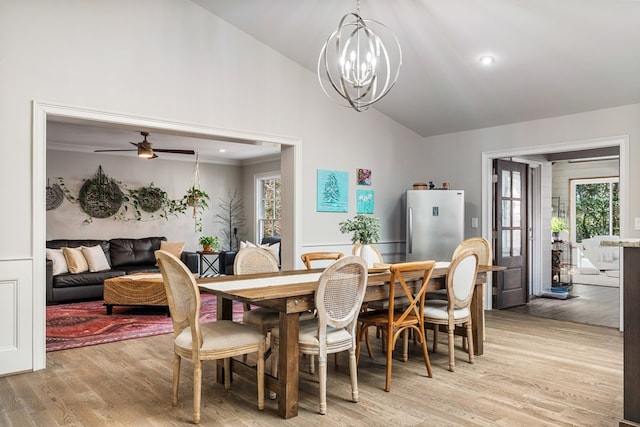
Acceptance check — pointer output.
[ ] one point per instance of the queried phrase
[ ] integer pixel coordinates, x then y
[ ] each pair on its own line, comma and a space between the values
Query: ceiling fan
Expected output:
145, 150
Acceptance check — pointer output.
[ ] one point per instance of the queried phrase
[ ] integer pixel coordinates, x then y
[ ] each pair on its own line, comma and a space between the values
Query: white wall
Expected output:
174, 177
465, 169
172, 60
564, 172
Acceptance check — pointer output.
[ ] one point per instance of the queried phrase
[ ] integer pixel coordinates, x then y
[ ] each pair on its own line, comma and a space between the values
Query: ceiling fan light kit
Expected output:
146, 151
360, 67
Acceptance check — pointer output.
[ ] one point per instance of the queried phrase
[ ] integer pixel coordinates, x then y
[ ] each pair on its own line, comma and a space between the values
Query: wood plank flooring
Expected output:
594, 305
534, 372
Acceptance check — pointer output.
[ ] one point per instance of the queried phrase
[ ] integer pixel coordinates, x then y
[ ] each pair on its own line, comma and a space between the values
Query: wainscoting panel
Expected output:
16, 316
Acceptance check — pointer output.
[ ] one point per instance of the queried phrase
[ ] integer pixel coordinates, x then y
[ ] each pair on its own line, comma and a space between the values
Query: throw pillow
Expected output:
174, 248
274, 250
59, 262
96, 259
76, 262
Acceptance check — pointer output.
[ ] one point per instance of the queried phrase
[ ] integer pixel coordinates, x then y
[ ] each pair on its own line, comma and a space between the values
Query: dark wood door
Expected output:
510, 233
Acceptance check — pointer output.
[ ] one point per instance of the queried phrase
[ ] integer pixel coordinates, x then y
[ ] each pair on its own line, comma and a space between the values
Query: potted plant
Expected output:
209, 243
366, 230
558, 225
196, 197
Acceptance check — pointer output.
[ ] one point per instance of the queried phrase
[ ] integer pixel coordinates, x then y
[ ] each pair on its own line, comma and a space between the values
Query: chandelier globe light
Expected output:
358, 65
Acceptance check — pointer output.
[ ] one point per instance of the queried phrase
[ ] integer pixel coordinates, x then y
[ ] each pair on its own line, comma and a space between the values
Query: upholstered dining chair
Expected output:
208, 341
309, 257
338, 299
455, 311
251, 260
485, 257
395, 321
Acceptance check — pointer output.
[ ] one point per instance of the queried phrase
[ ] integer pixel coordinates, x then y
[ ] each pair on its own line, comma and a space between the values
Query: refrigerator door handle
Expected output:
410, 229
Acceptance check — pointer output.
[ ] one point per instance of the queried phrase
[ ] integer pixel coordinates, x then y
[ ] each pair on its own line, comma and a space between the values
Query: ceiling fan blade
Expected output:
104, 151
155, 156
137, 144
161, 150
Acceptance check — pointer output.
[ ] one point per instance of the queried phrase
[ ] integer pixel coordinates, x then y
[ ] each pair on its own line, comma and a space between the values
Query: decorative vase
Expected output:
366, 253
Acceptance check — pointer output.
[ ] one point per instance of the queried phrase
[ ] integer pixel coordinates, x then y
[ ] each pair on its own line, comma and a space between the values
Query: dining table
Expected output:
291, 293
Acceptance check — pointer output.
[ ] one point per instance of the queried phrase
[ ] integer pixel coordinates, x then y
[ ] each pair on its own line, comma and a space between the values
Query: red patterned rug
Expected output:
86, 323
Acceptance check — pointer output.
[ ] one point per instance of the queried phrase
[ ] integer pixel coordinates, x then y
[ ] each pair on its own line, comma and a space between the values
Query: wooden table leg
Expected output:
288, 365
224, 311
477, 319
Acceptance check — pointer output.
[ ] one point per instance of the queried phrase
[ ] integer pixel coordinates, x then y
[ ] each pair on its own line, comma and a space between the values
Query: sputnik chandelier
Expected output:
360, 67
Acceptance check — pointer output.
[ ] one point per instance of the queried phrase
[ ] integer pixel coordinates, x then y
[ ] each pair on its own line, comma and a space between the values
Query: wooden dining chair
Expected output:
309, 257
455, 311
338, 299
395, 321
208, 341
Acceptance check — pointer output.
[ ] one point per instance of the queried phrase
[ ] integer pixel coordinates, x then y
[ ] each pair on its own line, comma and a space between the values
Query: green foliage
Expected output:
597, 210
558, 225
365, 229
210, 241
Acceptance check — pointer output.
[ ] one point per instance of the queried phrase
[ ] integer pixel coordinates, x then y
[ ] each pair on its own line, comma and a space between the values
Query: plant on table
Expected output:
209, 243
365, 229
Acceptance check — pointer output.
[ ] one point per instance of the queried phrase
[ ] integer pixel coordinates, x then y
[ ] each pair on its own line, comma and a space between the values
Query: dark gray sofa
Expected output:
125, 256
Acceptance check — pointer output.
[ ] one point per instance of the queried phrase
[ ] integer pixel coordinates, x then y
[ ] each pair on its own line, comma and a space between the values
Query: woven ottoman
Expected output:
145, 289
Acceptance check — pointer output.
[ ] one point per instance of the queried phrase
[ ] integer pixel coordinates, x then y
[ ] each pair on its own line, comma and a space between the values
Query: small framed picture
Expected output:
364, 176
364, 201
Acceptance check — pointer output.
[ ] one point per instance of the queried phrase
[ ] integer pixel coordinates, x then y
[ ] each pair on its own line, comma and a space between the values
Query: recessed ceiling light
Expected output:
487, 60
222, 150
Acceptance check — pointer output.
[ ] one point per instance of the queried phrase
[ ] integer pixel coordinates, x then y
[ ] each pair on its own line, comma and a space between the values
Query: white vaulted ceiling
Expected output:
553, 57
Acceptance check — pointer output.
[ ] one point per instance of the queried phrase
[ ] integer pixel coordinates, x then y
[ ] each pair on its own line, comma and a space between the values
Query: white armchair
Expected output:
592, 254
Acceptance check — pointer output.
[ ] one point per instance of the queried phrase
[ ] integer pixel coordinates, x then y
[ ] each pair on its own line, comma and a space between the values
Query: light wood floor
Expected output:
594, 305
534, 372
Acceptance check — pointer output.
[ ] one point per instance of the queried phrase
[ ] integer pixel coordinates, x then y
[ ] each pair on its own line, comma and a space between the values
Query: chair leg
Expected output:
436, 328
368, 342
227, 373
470, 341
176, 379
322, 376
452, 362
405, 345
197, 390
260, 378
274, 366
312, 364
353, 372
425, 351
389, 335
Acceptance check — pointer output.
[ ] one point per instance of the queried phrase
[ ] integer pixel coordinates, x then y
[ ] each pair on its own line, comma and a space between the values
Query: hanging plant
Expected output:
150, 200
100, 197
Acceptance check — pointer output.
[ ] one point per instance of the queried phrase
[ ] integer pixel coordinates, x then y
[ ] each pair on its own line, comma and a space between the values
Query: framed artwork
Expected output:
364, 176
332, 193
364, 201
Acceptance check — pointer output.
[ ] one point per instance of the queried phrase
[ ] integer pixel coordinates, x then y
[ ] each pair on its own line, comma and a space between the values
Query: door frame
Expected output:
291, 173
541, 230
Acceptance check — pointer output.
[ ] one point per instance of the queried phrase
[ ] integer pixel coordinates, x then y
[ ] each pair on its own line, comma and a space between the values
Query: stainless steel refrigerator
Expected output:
434, 222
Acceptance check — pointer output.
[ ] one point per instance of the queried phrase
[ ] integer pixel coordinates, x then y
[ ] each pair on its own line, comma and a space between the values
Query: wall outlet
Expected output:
474, 222
637, 223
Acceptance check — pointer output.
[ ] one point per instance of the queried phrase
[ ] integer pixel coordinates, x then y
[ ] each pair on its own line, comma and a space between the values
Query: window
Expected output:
595, 207
268, 206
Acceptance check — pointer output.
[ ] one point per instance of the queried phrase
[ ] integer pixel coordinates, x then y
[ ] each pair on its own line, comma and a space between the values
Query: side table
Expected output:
208, 260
